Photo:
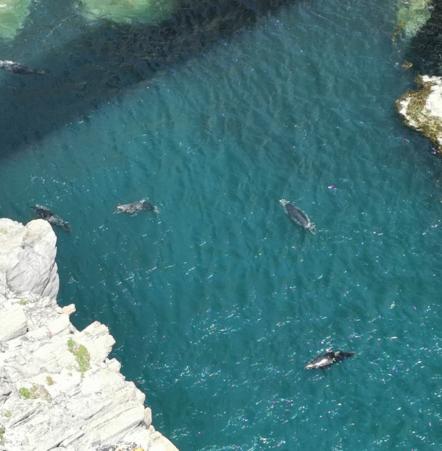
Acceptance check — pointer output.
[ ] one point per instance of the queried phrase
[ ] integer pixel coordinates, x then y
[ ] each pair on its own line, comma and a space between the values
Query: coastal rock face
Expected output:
422, 109
58, 389
27, 259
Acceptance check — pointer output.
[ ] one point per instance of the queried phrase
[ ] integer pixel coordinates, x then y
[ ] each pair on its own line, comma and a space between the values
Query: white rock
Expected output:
97, 340
27, 258
68, 309
422, 109
434, 100
13, 323
53, 402
161, 443
59, 324
147, 416
114, 365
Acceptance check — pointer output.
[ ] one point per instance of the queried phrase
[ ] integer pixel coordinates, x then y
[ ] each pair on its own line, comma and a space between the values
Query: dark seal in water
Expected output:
46, 214
135, 207
327, 359
17, 68
297, 215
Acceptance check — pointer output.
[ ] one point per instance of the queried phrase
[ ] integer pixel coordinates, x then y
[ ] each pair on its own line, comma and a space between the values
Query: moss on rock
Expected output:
28, 393
81, 354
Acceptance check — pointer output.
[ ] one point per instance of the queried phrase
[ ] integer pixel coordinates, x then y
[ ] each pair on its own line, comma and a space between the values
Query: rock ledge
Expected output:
58, 389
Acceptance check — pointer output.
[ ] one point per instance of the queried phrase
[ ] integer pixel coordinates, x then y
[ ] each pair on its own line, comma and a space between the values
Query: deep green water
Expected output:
217, 303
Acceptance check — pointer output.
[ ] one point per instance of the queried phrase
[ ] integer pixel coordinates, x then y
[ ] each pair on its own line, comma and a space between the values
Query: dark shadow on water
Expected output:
110, 58
425, 50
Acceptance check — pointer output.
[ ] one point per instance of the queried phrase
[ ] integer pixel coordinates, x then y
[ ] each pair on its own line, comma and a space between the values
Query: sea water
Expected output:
218, 301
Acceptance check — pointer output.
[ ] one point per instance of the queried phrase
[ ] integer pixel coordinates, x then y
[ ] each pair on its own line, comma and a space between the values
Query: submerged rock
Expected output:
58, 388
27, 259
13, 14
425, 49
422, 109
128, 11
411, 16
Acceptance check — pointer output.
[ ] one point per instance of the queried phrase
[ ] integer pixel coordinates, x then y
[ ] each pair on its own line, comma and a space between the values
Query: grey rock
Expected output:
13, 323
58, 388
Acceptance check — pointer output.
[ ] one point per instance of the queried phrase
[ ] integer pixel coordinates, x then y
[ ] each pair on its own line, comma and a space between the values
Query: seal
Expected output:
327, 359
135, 207
18, 68
46, 214
297, 215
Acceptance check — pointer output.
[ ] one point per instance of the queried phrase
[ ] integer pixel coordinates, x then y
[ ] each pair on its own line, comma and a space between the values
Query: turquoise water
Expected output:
218, 302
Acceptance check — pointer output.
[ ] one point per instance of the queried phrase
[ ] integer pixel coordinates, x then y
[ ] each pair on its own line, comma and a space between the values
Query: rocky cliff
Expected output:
58, 388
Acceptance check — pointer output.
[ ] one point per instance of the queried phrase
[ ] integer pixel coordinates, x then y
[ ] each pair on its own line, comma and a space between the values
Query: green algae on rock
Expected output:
81, 355
128, 11
422, 109
411, 16
34, 392
13, 14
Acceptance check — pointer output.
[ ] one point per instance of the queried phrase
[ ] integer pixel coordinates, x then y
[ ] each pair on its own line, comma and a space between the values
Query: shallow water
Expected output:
217, 303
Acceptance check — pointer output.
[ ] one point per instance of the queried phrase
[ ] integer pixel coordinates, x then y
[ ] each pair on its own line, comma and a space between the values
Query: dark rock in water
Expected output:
297, 215
425, 51
135, 207
17, 68
327, 359
46, 214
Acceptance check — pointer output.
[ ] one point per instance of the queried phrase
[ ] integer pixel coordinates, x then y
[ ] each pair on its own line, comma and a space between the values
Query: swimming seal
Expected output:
135, 207
327, 359
17, 68
297, 215
46, 214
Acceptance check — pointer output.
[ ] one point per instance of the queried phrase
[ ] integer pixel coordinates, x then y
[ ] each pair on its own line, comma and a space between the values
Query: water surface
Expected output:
217, 303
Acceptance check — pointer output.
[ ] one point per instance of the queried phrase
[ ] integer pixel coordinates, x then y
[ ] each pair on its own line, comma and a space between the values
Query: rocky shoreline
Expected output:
422, 109
58, 388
